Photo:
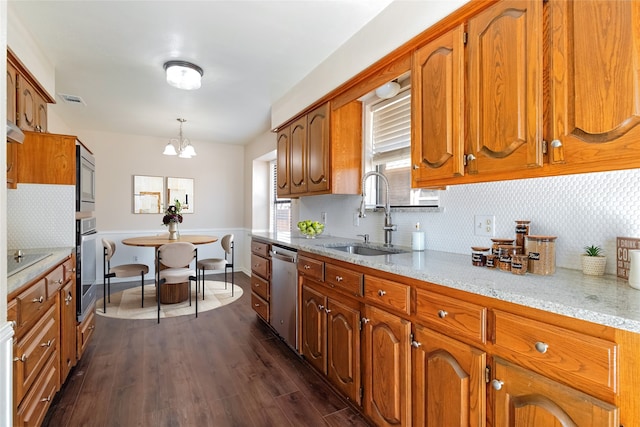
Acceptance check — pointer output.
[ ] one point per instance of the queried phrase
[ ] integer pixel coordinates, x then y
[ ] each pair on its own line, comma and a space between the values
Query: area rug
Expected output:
126, 304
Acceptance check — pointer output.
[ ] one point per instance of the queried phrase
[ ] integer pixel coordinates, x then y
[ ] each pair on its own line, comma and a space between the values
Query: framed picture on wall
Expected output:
181, 189
148, 192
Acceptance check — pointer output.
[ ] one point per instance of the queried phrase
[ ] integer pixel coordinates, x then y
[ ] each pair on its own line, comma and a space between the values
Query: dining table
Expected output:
178, 292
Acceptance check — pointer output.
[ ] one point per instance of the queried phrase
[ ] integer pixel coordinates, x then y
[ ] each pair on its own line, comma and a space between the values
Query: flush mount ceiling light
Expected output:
181, 147
183, 75
388, 90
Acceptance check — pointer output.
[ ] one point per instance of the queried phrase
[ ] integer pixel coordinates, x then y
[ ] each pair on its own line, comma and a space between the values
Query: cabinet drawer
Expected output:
69, 269
387, 293
30, 305
260, 248
85, 332
451, 315
570, 357
260, 287
260, 266
32, 410
338, 277
33, 351
260, 306
54, 281
311, 268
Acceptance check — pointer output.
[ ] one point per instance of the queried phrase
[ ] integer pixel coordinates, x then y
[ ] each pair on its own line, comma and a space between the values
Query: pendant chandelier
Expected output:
181, 147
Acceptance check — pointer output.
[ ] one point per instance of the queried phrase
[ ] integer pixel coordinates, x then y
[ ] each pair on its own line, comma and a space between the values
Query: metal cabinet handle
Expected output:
497, 384
338, 279
257, 285
46, 344
23, 358
39, 300
416, 166
381, 293
306, 266
256, 305
415, 344
46, 399
326, 310
542, 347
442, 314
365, 320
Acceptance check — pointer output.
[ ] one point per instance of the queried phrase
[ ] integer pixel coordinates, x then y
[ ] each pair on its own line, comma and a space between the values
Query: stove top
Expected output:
16, 264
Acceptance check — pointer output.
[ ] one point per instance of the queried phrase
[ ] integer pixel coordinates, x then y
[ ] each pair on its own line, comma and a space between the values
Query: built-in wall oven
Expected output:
86, 250
85, 179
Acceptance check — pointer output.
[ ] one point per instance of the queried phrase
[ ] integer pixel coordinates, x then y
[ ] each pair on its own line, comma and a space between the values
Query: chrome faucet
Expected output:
364, 236
388, 226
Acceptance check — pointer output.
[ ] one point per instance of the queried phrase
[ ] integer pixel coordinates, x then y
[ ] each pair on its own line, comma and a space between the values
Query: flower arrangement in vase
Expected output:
173, 217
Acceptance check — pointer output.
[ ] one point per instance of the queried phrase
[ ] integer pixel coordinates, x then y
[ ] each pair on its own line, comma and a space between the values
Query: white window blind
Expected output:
391, 131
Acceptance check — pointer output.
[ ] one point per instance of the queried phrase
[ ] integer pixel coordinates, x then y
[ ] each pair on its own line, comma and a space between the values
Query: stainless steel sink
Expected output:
360, 249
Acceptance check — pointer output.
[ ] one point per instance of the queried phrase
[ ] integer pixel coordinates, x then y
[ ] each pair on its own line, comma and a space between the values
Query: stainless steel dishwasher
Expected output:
284, 293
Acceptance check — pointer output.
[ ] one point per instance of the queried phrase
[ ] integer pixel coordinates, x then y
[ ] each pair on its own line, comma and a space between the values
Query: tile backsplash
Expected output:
41, 216
581, 210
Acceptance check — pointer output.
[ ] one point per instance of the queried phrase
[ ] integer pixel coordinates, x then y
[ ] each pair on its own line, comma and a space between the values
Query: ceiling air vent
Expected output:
72, 99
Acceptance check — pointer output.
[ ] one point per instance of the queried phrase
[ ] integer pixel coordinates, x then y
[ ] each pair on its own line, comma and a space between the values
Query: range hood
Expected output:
14, 133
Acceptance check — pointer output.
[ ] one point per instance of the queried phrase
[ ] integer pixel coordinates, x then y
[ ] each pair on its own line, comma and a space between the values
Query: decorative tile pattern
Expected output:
581, 210
41, 216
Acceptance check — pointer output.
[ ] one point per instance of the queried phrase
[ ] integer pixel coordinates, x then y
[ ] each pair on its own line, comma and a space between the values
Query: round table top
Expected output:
157, 241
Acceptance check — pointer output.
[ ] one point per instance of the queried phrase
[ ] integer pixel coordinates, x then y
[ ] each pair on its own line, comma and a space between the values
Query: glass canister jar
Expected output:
497, 242
479, 256
522, 230
541, 251
519, 264
505, 255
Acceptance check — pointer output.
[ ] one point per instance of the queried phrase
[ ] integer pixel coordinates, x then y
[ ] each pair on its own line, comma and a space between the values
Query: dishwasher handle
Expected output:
282, 257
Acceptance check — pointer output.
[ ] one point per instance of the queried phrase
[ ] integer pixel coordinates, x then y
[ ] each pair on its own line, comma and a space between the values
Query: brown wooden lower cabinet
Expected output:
331, 339
449, 387
526, 399
84, 332
387, 368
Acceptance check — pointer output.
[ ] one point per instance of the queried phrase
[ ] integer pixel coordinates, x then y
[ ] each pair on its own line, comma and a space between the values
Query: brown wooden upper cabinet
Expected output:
505, 88
595, 85
46, 158
32, 107
321, 152
12, 92
438, 110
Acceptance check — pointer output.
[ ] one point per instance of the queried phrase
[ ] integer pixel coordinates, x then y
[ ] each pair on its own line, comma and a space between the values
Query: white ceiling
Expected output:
111, 54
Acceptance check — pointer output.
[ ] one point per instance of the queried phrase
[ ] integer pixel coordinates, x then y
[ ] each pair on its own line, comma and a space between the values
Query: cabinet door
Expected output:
282, 162
27, 105
595, 81
12, 92
449, 388
387, 368
438, 109
314, 327
67, 329
298, 156
318, 149
343, 347
41, 114
505, 88
526, 399
12, 166
47, 159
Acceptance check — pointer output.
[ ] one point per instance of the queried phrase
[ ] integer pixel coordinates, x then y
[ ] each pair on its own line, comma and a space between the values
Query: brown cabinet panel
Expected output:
396, 296
84, 332
47, 159
342, 278
260, 248
30, 305
452, 315
311, 268
318, 149
298, 156
260, 266
260, 286
282, 162
505, 87
314, 327
54, 281
438, 109
260, 306
31, 107
387, 368
68, 351
595, 84
448, 381
525, 399
12, 93
343, 347
33, 408
567, 356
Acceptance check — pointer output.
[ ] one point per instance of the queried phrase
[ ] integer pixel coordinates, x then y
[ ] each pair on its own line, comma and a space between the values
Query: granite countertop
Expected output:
22, 277
606, 300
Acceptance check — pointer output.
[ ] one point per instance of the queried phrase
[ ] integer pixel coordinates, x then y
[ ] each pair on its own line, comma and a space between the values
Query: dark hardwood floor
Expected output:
225, 368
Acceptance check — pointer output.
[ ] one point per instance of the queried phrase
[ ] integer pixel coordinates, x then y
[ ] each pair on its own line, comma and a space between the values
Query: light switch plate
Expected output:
484, 225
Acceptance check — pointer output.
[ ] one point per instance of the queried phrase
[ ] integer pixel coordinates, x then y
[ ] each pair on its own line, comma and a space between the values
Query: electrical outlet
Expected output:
484, 225
323, 218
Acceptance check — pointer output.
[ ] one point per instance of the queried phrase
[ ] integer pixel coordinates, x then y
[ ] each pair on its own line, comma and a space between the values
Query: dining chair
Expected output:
173, 265
217, 264
123, 270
